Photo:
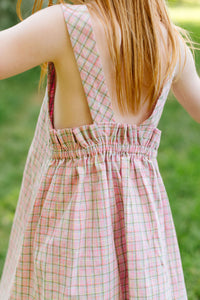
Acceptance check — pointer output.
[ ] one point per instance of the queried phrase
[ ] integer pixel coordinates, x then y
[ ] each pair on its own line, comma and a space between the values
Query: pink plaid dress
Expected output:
93, 220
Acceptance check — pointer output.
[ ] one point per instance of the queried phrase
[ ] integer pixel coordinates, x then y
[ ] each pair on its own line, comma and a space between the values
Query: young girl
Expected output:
93, 220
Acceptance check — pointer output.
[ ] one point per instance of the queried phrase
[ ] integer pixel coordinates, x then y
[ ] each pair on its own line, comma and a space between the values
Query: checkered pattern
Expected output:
93, 220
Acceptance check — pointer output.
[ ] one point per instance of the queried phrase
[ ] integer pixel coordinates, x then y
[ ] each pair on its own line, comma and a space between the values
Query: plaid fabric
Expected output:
93, 220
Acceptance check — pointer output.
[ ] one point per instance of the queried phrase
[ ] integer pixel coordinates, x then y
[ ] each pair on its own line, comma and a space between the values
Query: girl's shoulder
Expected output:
37, 39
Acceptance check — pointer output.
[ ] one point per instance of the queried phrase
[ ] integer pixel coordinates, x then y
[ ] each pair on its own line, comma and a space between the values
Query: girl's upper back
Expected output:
71, 109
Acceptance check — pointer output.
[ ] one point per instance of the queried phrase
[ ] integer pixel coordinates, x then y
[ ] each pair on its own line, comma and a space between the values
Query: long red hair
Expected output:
140, 50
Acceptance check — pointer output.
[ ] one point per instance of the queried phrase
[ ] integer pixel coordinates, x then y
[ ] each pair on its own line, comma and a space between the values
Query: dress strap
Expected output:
78, 21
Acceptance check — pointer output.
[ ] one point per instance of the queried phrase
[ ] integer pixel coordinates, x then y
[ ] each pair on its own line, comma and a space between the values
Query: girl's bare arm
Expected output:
37, 39
187, 88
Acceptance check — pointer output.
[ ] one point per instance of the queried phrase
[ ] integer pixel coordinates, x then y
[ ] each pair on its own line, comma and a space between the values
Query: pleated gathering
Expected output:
96, 138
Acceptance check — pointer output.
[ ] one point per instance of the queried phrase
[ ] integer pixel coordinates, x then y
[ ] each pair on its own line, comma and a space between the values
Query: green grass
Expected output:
179, 161
19, 108
178, 158
186, 14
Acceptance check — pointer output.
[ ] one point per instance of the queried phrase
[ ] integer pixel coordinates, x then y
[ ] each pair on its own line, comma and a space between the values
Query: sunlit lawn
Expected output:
179, 160
18, 114
186, 14
179, 157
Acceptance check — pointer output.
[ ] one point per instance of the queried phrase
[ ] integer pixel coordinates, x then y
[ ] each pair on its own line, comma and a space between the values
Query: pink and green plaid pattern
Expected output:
93, 220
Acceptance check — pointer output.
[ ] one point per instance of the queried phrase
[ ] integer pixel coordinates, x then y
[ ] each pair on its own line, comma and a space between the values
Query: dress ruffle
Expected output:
96, 138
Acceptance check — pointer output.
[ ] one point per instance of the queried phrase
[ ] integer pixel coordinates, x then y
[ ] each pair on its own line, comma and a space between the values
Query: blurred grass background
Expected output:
178, 158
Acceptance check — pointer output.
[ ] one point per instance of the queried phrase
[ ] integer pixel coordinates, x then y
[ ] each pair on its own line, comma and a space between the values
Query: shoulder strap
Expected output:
77, 18
154, 118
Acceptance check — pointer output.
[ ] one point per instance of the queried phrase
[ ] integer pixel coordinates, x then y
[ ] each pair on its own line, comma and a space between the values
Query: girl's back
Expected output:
93, 220
71, 108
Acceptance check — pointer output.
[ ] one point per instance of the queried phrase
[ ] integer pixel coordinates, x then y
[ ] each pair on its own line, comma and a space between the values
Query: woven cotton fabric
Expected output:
93, 219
